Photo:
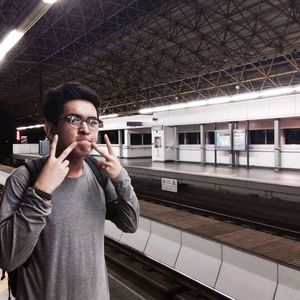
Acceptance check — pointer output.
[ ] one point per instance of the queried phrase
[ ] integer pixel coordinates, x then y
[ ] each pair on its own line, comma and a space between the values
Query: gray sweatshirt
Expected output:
63, 238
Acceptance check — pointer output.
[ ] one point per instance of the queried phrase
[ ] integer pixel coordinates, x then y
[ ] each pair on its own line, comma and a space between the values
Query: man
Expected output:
57, 225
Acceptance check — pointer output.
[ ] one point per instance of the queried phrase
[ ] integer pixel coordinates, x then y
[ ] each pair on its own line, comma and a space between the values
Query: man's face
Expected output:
84, 135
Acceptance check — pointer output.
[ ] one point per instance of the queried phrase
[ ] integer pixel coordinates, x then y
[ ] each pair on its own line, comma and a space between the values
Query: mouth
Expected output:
84, 140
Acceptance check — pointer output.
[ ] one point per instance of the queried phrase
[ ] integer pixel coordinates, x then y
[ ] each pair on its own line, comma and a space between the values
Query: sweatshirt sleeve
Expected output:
22, 219
127, 216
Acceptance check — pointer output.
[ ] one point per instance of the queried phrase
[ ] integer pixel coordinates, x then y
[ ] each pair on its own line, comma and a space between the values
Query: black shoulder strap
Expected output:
34, 167
111, 205
100, 175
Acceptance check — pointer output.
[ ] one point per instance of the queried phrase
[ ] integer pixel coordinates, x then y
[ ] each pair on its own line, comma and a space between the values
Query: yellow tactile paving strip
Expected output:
278, 249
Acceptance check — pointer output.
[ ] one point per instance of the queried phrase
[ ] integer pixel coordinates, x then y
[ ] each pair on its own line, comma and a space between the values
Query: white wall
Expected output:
26, 148
268, 108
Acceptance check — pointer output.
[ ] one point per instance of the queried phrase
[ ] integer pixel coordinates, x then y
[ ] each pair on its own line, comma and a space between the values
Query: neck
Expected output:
75, 168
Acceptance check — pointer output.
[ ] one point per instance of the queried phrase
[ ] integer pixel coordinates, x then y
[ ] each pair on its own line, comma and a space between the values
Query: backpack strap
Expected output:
102, 178
100, 175
34, 167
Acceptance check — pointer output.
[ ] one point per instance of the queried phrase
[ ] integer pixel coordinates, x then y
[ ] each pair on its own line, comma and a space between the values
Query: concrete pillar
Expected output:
202, 141
231, 152
176, 144
120, 143
277, 145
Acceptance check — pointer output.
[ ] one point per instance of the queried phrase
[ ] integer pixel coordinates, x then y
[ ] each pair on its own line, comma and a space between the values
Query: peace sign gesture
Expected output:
55, 169
111, 163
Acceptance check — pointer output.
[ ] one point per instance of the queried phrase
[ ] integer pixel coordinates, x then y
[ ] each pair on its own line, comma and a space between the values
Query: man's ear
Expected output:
50, 130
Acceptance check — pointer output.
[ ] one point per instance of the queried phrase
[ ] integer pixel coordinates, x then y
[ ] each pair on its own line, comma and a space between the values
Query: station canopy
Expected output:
145, 53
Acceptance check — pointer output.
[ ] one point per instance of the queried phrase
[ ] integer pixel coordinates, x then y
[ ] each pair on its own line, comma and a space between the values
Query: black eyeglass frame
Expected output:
68, 119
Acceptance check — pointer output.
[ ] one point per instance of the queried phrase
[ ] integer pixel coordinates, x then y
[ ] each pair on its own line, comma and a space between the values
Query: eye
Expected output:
93, 122
73, 119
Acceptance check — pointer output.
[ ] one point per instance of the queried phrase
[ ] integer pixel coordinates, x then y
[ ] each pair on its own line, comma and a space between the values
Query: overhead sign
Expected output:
133, 124
157, 127
169, 184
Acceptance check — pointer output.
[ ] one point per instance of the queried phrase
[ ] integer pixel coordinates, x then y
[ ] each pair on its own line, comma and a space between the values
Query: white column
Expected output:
202, 142
277, 145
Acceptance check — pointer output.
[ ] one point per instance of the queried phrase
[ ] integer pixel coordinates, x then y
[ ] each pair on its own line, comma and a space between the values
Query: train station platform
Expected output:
264, 182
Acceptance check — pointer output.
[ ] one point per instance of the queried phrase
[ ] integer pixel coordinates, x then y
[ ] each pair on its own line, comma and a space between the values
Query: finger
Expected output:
108, 144
103, 163
53, 146
67, 151
65, 163
101, 152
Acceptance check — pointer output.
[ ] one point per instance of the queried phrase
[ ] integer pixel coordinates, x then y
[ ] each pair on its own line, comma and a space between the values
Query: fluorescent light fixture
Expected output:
196, 103
276, 92
49, 1
108, 116
245, 96
218, 100
9, 41
30, 127
178, 106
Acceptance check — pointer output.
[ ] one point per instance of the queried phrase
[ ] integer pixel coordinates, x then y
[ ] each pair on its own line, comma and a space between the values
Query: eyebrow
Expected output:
79, 116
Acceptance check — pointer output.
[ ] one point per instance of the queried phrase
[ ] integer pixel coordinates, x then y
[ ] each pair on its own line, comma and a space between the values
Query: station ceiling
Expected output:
145, 53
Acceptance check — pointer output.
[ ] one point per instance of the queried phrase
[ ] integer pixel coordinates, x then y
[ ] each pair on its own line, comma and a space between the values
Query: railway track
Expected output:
151, 279
274, 216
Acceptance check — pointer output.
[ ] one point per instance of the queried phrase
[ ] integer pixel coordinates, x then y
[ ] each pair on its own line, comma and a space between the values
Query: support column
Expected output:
202, 141
176, 145
231, 152
247, 144
120, 143
277, 145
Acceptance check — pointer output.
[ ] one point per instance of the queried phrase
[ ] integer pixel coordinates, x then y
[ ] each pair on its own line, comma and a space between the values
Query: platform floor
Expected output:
262, 175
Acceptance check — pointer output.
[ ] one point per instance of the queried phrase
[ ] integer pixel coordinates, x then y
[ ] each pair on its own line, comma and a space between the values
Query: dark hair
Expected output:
55, 99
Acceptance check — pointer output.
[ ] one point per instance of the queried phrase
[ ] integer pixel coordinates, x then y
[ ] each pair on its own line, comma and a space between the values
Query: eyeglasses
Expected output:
76, 122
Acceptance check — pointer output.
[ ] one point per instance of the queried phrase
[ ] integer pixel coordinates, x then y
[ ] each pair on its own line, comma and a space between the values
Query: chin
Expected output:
83, 150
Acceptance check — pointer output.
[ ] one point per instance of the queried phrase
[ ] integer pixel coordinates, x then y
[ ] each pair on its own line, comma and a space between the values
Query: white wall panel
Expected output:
219, 112
290, 159
237, 112
289, 284
199, 258
277, 109
246, 277
138, 240
258, 109
164, 243
297, 105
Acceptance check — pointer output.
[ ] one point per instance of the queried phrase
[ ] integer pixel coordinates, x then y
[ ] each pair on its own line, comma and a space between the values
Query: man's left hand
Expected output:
111, 164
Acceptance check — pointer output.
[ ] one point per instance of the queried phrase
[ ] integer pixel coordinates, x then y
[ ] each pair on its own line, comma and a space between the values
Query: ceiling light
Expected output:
108, 116
30, 127
49, 1
245, 96
276, 92
9, 41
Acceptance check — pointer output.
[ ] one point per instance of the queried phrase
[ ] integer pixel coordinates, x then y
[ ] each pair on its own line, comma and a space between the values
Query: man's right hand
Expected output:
55, 169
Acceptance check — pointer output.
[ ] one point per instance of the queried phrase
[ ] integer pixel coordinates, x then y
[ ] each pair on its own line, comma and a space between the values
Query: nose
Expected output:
84, 127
